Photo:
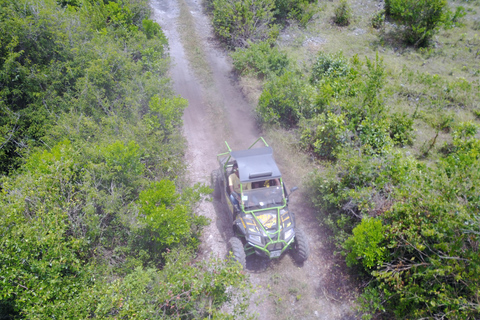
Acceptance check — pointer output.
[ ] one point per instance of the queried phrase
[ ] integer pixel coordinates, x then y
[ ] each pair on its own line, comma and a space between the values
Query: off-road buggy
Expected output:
262, 222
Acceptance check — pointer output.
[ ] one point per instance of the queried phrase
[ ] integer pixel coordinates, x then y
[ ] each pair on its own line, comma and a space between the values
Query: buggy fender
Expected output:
239, 224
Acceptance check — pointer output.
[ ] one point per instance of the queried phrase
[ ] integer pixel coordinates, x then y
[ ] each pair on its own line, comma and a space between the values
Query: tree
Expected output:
421, 19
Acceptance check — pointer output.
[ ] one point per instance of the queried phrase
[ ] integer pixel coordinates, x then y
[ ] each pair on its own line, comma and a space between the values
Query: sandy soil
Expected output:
316, 290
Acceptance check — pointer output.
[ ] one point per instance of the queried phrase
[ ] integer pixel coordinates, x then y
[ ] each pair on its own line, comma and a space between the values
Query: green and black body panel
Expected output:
268, 232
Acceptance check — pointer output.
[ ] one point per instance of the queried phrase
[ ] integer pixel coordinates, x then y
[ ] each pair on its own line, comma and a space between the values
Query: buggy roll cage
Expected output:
255, 164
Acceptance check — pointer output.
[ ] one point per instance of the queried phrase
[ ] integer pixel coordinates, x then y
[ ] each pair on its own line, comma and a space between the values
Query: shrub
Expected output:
301, 10
325, 134
152, 30
365, 244
426, 246
168, 214
454, 19
343, 13
237, 21
328, 65
401, 129
285, 99
378, 19
464, 138
364, 97
421, 19
374, 136
260, 59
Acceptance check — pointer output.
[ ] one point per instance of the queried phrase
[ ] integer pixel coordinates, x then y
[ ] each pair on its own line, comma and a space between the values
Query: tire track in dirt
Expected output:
217, 111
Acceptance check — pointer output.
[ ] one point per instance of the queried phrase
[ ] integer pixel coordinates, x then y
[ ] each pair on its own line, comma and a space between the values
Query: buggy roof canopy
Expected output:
256, 164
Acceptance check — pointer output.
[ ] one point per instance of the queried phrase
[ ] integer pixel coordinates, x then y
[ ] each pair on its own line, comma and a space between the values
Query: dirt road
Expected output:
217, 112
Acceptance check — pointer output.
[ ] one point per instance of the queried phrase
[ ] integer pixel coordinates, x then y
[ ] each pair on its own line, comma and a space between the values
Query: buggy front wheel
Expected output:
301, 249
235, 247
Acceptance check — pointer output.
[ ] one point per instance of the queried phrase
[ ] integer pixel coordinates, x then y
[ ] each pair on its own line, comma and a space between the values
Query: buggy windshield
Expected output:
260, 198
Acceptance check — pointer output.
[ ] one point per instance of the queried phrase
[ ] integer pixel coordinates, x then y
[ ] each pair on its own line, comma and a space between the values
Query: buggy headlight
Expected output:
289, 234
254, 238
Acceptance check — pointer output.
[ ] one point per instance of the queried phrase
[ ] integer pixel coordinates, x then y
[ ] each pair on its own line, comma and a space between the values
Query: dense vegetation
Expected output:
95, 218
237, 22
403, 208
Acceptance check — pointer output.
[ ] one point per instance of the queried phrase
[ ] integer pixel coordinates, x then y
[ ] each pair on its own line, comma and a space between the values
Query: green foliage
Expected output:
476, 113
55, 60
342, 96
356, 92
300, 10
420, 19
124, 159
153, 30
401, 129
365, 244
42, 263
374, 136
284, 100
236, 22
378, 19
435, 236
439, 122
85, 102
430, 226
260, 59
463, 138
324, 134
165, 215
454, 19
370, 301
329, 66
343, 13
192, 291
165, 113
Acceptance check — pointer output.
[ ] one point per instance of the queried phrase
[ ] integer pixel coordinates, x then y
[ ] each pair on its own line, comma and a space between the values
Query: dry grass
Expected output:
251, 88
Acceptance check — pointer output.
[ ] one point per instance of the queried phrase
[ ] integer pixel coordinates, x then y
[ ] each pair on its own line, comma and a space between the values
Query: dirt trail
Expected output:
312, 291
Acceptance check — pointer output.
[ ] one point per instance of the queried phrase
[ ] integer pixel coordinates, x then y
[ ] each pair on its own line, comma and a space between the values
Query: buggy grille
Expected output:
275, 246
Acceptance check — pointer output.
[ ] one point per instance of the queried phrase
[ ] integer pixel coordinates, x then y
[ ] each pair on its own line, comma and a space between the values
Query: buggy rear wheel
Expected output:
216, 184
301, 248
235, 246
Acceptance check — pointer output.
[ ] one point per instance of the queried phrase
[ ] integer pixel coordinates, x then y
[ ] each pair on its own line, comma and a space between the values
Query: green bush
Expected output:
330, 66
426, 254
374, 136
260, 59
464, 138
235, 22
300, 10
167, 219
343, 13
420, 19
401, 129
152, 30
378, 19
285, 100
365, 244
192, 291
324, 134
